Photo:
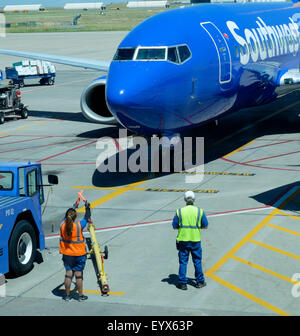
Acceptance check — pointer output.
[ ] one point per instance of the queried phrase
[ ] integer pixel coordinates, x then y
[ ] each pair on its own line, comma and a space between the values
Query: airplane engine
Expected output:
93, 103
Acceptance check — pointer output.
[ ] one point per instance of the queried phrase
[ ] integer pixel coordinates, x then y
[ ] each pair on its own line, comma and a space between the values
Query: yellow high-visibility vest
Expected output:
190, 218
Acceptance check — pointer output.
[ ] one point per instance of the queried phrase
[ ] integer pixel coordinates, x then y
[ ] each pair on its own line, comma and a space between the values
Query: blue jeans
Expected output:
184, 249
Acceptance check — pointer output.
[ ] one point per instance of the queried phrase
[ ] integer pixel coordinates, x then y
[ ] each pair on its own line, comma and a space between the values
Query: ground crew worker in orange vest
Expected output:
72, 247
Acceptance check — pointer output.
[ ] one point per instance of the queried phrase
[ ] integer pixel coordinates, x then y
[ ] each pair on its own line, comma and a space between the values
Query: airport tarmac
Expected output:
250, 193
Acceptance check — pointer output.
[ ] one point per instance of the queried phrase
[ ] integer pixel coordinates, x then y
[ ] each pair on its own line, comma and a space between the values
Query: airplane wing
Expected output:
72, 61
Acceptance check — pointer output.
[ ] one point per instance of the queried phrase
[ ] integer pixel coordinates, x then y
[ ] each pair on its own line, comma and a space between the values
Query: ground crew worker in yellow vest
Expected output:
72, 247
189, 221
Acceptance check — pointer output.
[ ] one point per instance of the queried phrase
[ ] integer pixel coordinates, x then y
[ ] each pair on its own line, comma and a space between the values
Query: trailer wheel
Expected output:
51, 81
24, 113
22, 248
2, 118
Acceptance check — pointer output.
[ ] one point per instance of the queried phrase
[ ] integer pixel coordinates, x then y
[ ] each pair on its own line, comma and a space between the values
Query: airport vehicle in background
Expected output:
10, 103
164, 79
22, 70
21, 232
1, 75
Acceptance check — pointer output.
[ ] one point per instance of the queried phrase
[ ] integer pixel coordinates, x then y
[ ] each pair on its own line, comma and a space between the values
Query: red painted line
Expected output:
50, 136
271, 157
208, 215
6, 136
69, 164
166, 220
33, 147
263, 167
285, 191
67, 151
262, 146
119, 148
19, 141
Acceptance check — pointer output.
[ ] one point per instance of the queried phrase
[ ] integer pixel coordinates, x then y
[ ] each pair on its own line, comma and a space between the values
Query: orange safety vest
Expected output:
73, 245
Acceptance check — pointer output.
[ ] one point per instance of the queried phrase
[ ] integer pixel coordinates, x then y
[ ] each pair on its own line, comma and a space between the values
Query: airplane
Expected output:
189, 66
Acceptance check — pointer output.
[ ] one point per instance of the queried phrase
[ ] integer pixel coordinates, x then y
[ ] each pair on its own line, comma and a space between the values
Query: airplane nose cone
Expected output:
133, 98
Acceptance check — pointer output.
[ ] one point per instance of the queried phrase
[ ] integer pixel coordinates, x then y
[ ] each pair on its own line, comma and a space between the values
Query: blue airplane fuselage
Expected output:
188, 66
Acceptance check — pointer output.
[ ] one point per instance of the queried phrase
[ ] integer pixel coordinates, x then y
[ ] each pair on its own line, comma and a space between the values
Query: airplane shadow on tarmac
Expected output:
233, 131
270, 197
68, 116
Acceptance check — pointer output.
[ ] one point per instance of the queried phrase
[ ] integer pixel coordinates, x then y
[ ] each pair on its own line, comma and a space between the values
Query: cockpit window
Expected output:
184, 53
151, 54
173, 55
124, 54
177, 54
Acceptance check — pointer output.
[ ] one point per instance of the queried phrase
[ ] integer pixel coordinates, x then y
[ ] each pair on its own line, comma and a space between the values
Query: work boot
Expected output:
200, 284
67, 298
182, 286
82, 298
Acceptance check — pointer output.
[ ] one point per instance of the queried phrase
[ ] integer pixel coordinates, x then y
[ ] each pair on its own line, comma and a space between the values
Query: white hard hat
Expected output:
189, 195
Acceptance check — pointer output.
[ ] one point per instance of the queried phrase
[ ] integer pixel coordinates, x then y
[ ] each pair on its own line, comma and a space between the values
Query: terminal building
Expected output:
85, 6
22, 8
148, 4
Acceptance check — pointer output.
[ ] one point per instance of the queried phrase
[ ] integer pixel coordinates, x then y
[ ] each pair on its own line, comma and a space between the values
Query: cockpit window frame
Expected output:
125, 60
150, 60
158, 60
183, 45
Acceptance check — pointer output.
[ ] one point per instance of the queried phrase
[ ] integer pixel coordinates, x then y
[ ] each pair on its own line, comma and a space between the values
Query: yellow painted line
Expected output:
112, 195
99, 292
249, 295
230, 253
21, 128
177, 190
118, 189
93, 291
284, 229
266, 270
275, 249
281, 206
3, 133
248, 238
97, 188
288, 215
238, 149
37, 124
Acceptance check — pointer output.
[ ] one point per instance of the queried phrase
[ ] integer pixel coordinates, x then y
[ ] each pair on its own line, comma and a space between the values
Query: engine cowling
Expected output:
93, 103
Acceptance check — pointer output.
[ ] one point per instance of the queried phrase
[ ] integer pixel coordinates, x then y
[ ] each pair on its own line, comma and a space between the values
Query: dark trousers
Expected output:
184, 250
